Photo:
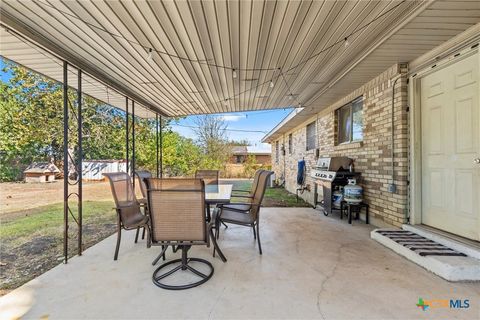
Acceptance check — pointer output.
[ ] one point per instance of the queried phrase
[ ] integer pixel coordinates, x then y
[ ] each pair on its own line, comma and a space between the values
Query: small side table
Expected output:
354, 208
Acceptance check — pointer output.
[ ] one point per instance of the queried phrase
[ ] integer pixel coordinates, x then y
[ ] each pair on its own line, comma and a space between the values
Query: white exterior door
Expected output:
450, 148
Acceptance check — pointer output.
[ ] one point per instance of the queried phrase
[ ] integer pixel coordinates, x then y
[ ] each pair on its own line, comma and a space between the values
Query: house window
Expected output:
290, 148
238, 159
277, 151
350, 122
311, 136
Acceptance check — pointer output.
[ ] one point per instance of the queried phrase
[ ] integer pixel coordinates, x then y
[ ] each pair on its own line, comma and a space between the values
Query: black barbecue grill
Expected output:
328, 174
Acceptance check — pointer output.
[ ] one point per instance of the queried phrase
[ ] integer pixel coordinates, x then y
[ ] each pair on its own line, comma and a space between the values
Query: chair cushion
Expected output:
235, 216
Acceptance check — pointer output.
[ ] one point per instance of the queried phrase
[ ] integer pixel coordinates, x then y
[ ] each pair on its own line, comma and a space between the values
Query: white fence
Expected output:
94, 169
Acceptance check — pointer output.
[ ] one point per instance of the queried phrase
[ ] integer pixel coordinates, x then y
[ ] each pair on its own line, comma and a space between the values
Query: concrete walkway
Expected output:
313, 267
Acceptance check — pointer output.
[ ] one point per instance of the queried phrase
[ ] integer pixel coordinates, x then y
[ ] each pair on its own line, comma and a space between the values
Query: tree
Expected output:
31, 122
29, 113
239, 143
250, 166
212, 138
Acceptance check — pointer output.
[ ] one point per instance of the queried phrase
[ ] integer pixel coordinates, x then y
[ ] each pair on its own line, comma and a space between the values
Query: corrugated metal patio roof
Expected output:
227, 56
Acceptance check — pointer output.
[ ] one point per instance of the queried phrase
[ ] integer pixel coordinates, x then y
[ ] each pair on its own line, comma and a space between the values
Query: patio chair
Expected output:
141, 175
177, 211
245, 214
247, 194
209, 176
129, 215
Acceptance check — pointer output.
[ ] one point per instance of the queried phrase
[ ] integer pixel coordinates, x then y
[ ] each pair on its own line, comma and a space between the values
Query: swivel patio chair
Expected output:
245, 214
209, 176
129, 215
177, 212
141, 175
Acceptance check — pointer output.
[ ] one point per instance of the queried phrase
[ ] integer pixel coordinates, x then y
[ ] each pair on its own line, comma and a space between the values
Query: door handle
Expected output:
477, 161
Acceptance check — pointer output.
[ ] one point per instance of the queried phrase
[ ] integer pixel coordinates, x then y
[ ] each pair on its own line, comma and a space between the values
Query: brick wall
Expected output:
372, 156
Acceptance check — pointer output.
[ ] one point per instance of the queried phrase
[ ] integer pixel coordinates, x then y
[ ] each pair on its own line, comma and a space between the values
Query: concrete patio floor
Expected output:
312, 266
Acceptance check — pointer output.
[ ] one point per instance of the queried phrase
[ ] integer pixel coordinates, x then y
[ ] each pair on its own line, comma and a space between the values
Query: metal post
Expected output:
133, 142
80, 158
156, 143
161, 149
65, 161
126, 132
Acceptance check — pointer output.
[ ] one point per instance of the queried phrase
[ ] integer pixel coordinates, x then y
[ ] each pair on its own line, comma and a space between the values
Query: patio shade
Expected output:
199, 57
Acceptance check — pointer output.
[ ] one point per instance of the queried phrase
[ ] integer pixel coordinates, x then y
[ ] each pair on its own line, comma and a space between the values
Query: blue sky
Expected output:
263, 120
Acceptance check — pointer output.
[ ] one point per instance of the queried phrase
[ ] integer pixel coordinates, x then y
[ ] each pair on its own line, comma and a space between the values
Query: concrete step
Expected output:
451, 268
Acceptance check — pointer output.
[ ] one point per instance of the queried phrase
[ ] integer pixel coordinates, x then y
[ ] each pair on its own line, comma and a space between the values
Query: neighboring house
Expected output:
93, 170
240, 154
427, 110
236, 167
41, 172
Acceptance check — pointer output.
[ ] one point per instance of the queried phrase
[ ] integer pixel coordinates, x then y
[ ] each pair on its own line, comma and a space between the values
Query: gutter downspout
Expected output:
393, 187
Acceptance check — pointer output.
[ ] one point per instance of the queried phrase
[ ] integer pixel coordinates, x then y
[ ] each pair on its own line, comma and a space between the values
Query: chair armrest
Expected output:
241, 196
220, 206
240, 190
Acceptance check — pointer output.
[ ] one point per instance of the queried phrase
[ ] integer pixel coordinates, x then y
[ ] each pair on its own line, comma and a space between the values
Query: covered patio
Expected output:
312, 267
168, 59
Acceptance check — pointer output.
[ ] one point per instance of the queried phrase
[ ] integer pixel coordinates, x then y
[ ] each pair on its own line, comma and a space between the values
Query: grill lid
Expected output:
334, 164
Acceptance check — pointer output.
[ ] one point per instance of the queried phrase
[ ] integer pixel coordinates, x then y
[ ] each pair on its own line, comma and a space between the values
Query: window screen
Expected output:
350, 122
290, 148
311, 136
277, 151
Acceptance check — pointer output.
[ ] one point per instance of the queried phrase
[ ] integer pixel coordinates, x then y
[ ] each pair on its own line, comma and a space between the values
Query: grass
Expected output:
274, 197
46, 220
32, 240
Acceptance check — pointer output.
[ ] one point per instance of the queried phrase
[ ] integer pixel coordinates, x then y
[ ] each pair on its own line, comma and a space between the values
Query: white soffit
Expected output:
110, 40
41, 61
435, 23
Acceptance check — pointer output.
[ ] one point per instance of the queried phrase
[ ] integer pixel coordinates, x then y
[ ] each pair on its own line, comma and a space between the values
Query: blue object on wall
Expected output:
301, 172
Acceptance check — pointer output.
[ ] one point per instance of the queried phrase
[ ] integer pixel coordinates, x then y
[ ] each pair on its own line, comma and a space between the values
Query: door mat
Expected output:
418, 244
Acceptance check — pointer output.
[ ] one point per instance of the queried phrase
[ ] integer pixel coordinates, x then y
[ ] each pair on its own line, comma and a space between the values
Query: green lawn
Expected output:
274, 197
47, 220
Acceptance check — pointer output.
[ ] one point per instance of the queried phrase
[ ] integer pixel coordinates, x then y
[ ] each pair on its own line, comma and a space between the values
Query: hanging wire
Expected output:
275, 77
290, 93
224, 129
342, 40
151, 49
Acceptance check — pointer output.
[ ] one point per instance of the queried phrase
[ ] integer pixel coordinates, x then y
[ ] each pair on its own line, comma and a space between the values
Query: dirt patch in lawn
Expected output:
32, 240
18, 196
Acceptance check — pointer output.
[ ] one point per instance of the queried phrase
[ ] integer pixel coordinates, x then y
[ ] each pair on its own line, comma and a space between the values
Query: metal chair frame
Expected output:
122, 206
141, 175
252, 206
184, 245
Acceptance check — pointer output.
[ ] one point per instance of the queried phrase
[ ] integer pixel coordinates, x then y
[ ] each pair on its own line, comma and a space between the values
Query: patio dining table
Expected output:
217, 194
